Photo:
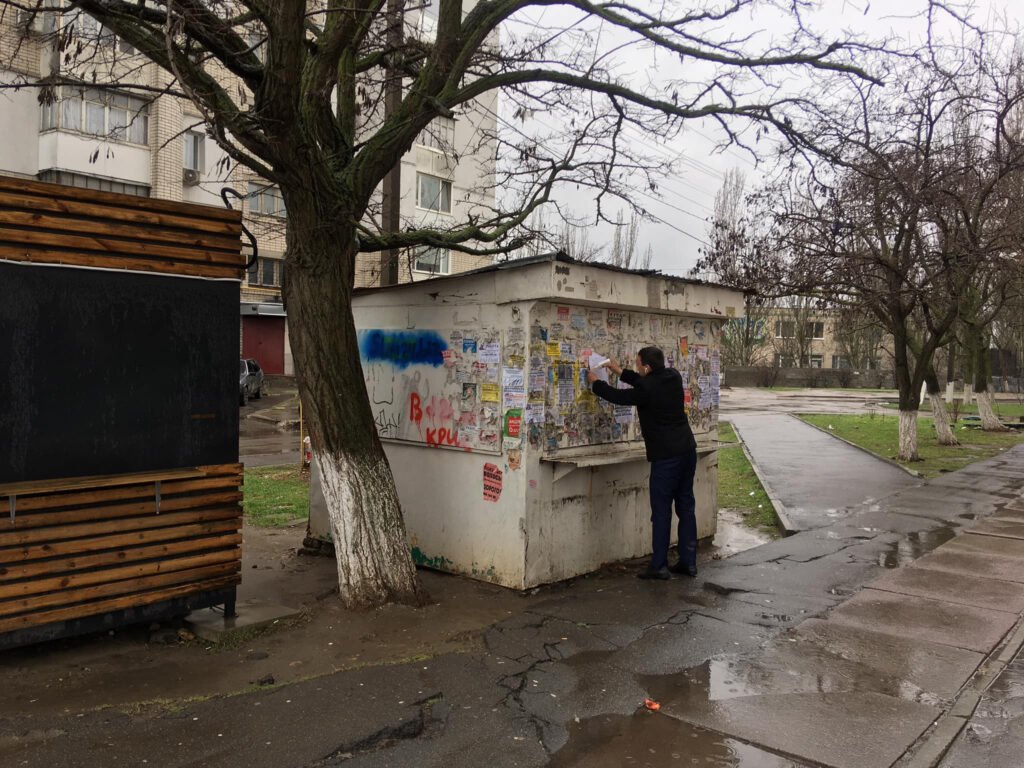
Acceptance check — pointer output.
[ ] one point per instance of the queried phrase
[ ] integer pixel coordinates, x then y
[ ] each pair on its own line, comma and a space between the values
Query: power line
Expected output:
665, 155
632, 189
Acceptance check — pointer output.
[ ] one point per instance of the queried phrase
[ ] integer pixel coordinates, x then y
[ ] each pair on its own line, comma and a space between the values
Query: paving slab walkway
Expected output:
812, 477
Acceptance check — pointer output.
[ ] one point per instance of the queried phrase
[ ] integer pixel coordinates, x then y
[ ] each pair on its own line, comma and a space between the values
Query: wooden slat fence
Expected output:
85, 546
55, 224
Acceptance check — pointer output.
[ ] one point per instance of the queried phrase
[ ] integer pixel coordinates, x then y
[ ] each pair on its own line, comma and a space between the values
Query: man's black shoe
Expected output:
661, 574
684, 570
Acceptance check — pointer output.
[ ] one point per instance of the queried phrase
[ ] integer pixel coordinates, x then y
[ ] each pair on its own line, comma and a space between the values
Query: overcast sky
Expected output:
687, 198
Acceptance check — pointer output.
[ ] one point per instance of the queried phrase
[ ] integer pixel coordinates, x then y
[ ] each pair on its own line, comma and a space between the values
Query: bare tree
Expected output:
573, 238
1008, 339
979, 208
294, 92
794, 318
858, 338
738, 255
876, 225
574, 241
745, 341
624, 241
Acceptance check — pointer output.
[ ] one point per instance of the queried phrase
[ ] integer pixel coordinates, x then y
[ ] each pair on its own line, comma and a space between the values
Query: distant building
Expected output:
800, 338
797, 335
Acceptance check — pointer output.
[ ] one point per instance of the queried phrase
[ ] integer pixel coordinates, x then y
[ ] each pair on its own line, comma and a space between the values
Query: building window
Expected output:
254, 273
257, 40
785, 329
40, 20
95, 114
89, 29
271, 278
193, 151
812, 361
70, 114
781, 361
816, 329
98, 113
433, 193
435, 261
425, 23
439, 135
94, 182
838, 361
266, 200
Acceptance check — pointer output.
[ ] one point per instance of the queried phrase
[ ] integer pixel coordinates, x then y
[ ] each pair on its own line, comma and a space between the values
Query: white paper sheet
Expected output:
599, 365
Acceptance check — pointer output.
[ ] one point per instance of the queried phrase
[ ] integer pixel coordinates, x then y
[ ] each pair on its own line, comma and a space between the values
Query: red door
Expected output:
263, 339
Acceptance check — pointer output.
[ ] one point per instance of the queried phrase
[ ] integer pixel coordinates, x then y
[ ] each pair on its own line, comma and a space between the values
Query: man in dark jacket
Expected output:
657, 392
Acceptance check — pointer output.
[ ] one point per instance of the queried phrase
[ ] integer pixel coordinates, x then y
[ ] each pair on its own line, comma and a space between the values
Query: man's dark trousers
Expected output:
672, 481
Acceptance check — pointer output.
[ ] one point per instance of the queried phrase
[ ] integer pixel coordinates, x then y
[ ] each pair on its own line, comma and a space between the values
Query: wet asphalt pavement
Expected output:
837, 646
262, 441
811, 476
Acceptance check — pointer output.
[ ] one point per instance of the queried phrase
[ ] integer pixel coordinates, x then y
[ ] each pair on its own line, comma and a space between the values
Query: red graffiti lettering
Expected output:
440, 410
415, 409
442, 436
441, 424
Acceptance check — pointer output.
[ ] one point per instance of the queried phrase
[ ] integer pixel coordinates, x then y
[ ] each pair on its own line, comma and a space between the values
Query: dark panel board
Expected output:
107, 372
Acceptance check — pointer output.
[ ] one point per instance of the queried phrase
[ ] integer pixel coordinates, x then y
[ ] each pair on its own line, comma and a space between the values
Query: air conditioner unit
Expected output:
190, 177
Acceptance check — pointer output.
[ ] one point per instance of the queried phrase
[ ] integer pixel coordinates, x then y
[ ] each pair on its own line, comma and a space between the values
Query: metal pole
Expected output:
391, 202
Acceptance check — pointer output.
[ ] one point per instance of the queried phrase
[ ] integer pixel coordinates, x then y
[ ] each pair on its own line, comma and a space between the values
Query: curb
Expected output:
947, 728
278, 420
780, 508
861, 448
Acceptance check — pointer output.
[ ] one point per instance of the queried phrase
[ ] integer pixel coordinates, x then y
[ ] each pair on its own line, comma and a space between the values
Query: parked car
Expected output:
250, 381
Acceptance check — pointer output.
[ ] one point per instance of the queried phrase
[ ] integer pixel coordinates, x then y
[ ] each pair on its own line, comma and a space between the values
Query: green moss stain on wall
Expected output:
421, 558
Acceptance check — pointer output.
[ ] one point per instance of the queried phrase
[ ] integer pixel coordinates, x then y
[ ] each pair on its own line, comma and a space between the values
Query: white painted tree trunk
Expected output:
375, 564
908, 436
989, 421
940, 415
368, 531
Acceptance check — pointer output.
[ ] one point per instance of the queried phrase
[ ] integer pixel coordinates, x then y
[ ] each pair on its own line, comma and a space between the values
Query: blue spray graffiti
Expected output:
402, 348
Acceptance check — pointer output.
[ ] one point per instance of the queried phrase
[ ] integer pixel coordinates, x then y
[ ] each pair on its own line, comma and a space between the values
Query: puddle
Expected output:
786, 669
734, 677
914, 545
647, 740
733, 537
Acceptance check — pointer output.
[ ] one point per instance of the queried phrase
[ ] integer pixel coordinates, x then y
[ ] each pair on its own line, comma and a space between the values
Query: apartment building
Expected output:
128, 143
806, 338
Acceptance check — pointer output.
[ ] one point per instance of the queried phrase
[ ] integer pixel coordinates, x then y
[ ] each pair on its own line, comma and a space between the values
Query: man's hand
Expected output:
591, 377
614, 367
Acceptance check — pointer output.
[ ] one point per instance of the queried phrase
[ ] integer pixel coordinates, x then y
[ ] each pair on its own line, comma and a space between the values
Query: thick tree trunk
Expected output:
979, 352
908, 436
374, 561
910, 399
989, 421
940, 416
